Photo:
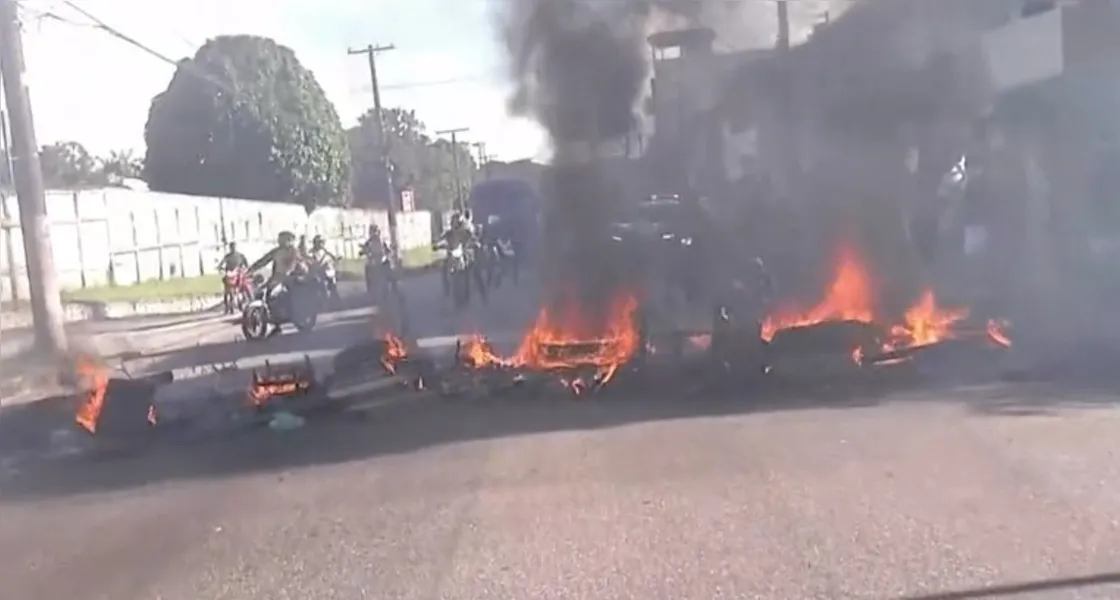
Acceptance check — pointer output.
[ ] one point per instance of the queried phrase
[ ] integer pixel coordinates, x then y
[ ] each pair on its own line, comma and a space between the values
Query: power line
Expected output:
408, 85
124, 37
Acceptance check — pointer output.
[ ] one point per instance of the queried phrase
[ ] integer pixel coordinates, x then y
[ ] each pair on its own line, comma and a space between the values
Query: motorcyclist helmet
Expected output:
285, 239
456, 220
317, 241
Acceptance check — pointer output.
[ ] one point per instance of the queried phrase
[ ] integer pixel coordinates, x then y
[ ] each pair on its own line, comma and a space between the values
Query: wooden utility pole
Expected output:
46, 299
787, 110
371, 52
460, 202
482, 158
783, 42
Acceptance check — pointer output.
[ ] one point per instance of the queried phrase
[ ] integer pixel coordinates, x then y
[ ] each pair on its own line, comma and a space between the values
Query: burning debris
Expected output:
847, 314
275, 385
584, 353
393, 353
116, 406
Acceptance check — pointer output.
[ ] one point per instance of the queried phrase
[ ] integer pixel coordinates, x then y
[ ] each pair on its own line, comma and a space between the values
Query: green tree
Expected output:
69, 165
121, 164
243, 118
417, 161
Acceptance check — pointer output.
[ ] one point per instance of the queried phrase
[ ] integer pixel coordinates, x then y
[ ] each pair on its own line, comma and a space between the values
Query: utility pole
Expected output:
459, 200
783, 42
482, 158
371, 52
46, 299
788, 147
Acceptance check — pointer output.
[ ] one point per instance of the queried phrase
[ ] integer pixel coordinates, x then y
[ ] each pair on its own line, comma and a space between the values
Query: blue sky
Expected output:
90, 87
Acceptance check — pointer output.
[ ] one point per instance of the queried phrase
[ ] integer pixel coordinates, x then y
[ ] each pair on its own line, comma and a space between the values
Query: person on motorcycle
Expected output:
460, 235
233, 259
302, 246
492, 252
318, 257
232, 262
374, 248
285, 259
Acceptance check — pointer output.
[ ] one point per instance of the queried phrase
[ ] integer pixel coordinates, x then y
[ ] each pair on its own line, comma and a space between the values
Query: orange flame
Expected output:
96, 381
394, 353
477, 352
925, 323
264, 389
848, 298
568, 341
606, 347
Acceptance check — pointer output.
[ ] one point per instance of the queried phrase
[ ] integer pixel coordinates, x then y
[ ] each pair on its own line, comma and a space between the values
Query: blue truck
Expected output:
516, 206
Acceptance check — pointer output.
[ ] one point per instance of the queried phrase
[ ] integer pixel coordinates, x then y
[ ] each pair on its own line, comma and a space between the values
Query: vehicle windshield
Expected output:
754, 299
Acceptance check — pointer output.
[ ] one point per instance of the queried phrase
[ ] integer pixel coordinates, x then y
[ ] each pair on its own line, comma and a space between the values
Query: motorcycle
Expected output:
458, 276
238, 290
298, 303
327, 276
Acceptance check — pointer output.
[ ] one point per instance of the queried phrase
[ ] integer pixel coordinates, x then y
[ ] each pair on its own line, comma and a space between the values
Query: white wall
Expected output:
1024, 51
122, 237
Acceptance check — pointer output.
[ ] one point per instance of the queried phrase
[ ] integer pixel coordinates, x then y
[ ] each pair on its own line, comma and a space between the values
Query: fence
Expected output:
123, 237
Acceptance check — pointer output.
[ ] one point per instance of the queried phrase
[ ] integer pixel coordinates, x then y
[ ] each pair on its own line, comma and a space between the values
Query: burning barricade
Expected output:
564, 345
116, 406
843, 332
273, 387
846, 321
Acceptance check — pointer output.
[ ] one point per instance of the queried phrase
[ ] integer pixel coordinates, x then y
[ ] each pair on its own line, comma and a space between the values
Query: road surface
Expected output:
639, 497
511, 309
643, 498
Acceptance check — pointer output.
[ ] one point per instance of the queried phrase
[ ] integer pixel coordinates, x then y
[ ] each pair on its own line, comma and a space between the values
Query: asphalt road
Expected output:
632, 497
209, 341
636, 498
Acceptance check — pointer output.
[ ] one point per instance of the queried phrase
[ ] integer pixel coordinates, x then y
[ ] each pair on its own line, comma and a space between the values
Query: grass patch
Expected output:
211, 285
149, 291
411, 259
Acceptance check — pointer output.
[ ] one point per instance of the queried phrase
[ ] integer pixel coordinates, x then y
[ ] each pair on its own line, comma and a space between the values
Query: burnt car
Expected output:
660, 239
658, 223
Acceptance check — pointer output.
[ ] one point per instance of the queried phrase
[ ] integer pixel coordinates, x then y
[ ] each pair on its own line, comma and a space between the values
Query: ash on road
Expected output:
640, 498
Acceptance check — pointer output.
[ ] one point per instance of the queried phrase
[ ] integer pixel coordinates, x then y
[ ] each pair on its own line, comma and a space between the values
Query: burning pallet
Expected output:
281, 388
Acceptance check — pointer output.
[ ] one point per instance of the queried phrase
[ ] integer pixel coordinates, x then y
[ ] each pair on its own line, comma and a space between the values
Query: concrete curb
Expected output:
103, 311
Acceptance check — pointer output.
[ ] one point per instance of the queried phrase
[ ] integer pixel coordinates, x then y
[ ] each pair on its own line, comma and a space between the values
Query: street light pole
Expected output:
459, 200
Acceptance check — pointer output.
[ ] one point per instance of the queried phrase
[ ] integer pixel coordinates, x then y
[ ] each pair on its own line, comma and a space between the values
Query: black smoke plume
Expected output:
579, 68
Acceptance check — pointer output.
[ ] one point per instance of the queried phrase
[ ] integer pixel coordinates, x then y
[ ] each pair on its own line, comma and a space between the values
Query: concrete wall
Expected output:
122, 237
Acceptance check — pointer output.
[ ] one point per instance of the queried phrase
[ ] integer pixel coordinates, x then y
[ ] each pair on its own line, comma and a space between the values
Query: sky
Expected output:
90, 87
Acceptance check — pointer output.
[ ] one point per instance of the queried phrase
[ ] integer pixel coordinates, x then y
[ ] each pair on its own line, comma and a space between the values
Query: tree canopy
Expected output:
418, 161
243, 118
69, 165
